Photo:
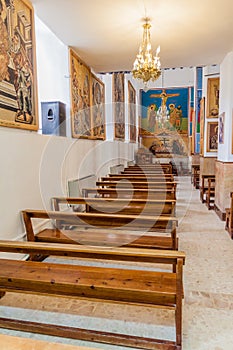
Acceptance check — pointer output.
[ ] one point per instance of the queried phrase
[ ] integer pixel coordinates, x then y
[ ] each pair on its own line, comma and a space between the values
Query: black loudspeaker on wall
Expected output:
53, 118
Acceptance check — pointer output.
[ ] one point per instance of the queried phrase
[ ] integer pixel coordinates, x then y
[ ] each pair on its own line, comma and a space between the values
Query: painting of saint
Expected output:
212, 97
132, 112
119, 105
151, 115
212, 136
18, 107
80, 97
97, 107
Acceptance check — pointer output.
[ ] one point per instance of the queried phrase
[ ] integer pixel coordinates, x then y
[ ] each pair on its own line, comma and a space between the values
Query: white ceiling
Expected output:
107, 33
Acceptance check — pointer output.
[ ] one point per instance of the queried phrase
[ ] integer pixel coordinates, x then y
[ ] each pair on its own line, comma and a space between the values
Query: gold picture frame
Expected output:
132, 112
97, 108
80, 97
212, 137
212, 97
18, 80
118, 99
202, 125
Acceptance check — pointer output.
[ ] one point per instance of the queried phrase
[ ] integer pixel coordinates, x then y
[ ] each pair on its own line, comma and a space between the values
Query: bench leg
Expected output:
37, 257
178, 311
2, 294
179, 323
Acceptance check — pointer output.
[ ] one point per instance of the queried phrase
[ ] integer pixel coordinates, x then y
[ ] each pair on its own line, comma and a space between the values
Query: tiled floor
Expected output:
208, 286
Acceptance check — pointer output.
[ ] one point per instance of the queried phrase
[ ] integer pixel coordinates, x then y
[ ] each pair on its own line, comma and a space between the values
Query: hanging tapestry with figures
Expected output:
164, 120
18, 94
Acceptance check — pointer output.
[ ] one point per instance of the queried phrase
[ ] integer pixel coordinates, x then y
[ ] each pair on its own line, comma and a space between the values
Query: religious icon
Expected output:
173, 115
80, 97
212, 136
17, 65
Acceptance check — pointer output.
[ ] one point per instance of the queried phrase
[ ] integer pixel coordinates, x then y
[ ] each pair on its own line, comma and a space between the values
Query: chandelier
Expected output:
146, 67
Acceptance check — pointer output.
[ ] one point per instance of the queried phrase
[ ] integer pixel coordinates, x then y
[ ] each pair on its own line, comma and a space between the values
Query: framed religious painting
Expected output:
80, 97
97, 108
221, 121
202, 123
18, 82
132, 112
212, 137
118, 99
212, 98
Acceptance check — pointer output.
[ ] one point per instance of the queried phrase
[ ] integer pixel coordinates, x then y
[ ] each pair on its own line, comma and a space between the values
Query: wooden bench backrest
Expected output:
154, 288
137, 178
137, 184
122, 222
103, 253
159, 193
118, 205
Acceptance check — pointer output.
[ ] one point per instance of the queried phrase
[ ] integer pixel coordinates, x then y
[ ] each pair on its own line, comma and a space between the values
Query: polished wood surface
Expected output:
98, 221
136, 193
137, 178
210, 193
154, 288
138, 184
117, 205
204, 186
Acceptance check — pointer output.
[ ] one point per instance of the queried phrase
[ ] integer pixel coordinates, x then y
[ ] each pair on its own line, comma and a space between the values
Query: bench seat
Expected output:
112, 284
99, 237
119, 285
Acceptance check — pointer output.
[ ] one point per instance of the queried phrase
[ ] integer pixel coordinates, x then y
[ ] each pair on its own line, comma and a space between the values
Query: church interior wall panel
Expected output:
37, 167
207, 165
223, 185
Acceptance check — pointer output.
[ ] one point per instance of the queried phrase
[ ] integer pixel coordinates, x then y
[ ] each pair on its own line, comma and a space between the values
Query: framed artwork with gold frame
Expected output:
212, 137
80, 92
118, 99
132, 112
212, 98
18, 81
97, 108
202, 125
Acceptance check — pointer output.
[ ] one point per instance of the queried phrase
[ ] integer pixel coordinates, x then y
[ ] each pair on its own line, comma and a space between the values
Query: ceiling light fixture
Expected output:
146, 67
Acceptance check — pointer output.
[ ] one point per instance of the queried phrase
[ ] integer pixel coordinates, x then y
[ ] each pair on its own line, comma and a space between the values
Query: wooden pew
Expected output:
137, 178
118, 205
165, 167
157, 193
138, 184
204, 186
145, 171
103, 284
210, 193
195, 175
142, 175
229, 217
103, 229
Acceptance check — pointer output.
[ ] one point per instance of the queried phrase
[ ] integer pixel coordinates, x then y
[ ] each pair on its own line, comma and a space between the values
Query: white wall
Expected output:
52, 68
226, 105
179, 77
36, 167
